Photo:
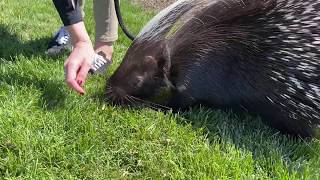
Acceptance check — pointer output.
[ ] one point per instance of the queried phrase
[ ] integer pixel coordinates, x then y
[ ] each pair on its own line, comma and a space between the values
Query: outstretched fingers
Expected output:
71, 70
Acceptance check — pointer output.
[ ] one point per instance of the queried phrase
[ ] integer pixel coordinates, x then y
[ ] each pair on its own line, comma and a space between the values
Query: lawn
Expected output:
49, 132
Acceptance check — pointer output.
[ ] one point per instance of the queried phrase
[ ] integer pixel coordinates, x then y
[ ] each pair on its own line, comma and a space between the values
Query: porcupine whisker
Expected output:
128, 100
131, 99
108, 90
121, 100
141, 103
108, 94
113, 98
155, 105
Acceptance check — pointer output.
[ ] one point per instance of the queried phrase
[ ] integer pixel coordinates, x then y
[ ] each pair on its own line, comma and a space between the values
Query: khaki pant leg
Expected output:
106, 21
81, 4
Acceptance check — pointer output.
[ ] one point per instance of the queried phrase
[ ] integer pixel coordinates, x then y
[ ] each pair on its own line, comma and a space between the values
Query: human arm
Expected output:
78, 63
69, 11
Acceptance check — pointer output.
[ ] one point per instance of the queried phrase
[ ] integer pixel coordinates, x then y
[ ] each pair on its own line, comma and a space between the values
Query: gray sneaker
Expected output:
60, 43
100, 63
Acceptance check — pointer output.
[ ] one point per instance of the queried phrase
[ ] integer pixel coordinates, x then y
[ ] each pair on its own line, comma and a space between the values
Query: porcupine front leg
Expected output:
180, 101
187, 90
184, 94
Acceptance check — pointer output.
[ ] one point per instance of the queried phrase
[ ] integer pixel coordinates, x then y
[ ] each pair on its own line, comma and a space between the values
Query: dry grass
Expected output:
153, 4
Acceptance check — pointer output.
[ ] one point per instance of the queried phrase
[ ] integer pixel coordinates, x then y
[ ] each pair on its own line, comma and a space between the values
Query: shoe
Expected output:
60, 43
100, 63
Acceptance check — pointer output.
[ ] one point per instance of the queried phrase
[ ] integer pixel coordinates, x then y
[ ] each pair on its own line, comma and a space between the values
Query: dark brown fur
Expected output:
231, 54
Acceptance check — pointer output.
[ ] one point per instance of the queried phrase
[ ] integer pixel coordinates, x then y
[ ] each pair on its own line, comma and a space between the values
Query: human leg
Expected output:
61, 42
106, 26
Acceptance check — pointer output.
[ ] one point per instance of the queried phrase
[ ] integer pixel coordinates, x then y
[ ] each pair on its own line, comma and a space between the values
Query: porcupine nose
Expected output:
119, 92
116, 95
114, 90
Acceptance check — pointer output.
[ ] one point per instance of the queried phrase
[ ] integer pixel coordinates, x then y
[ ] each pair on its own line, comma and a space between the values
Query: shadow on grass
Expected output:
52, 97
11, 46
249, 133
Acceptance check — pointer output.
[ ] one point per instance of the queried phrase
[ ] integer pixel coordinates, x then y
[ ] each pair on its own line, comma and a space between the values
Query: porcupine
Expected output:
262, 56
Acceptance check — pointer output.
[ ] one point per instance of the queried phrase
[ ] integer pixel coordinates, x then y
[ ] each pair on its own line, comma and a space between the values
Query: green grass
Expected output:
49, 132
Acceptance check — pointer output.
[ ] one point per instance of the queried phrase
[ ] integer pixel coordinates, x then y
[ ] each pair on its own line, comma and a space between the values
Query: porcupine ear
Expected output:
160, 61
150, 62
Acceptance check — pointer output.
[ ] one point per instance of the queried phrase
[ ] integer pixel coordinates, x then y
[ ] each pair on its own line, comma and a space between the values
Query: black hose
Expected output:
120, 20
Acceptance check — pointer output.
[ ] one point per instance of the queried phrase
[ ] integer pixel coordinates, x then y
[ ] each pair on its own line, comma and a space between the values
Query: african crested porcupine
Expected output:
262, 56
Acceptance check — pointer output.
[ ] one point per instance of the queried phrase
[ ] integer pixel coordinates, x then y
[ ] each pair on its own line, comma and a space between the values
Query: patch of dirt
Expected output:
156, 5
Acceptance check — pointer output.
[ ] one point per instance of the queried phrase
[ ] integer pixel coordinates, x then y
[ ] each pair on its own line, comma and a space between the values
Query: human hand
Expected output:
78, 65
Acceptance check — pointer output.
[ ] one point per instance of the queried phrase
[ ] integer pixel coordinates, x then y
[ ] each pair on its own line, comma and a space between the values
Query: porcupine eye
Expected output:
137, 83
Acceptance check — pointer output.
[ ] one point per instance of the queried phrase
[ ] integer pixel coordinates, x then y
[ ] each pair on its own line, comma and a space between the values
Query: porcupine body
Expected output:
262, 56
